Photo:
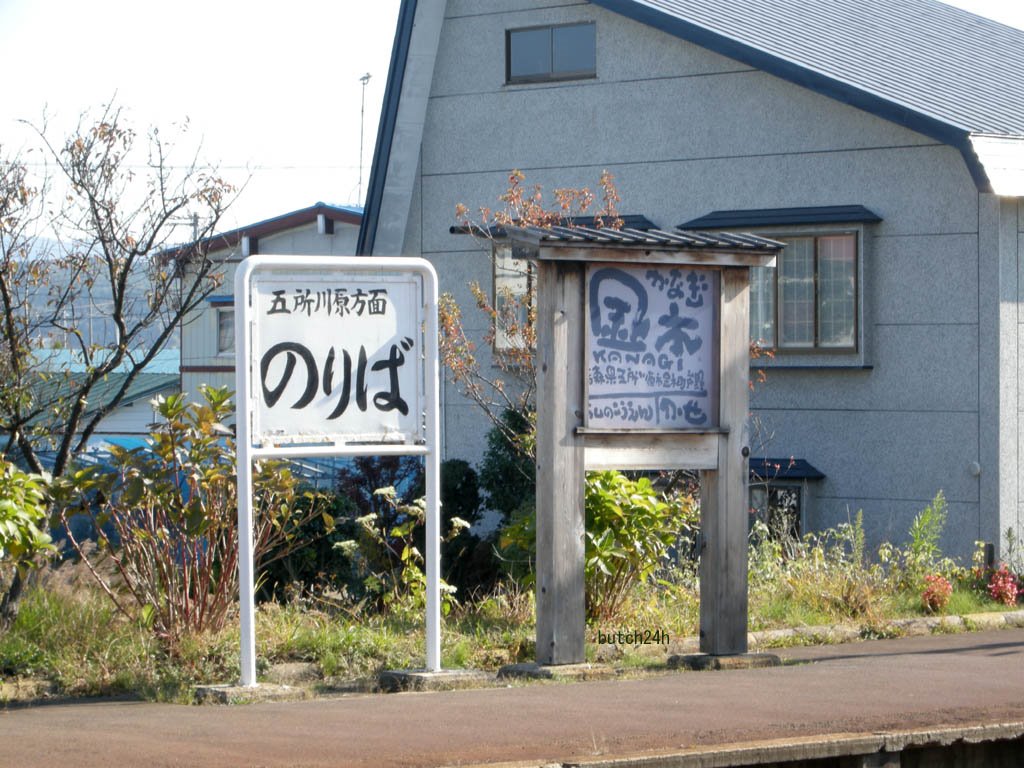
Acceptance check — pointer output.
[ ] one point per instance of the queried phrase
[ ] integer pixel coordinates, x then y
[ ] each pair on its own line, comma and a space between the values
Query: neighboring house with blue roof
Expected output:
135, 416
882, 140
208, 336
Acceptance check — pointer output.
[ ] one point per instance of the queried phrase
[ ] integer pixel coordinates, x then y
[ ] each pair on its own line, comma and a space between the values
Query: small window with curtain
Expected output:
808, 301
564, 52
225, 331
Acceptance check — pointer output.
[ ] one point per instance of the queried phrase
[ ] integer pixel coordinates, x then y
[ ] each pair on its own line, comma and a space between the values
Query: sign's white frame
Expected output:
423, 439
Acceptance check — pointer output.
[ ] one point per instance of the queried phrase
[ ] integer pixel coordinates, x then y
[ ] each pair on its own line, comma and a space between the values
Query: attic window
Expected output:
564, 52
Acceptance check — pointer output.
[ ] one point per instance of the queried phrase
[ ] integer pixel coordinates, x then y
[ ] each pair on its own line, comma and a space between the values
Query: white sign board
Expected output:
335, 355
651, 356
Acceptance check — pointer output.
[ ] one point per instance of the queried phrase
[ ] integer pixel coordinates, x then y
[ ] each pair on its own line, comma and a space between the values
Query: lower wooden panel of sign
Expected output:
645, 450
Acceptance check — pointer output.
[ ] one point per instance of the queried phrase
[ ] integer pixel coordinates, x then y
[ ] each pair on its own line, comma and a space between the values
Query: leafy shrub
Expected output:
825, 577
358, 552
631, 529
507, 472
469, 562
23, 510
387, 553
922, 554
316, 568
1002, 586
936, 594
167, 518
23, 513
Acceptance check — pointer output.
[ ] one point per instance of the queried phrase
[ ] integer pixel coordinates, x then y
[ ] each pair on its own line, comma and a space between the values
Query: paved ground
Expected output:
860, 688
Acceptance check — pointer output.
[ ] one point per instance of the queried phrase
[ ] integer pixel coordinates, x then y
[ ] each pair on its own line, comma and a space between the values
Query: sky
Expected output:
272, 90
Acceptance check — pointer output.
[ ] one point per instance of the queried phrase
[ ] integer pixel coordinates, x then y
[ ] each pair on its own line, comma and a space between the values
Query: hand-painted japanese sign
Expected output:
336, 356
651, 355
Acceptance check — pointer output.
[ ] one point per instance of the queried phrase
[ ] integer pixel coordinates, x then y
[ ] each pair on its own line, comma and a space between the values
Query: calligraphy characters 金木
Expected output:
649, 355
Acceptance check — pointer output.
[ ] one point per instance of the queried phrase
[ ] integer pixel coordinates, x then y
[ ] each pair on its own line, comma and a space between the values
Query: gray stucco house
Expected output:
882, 140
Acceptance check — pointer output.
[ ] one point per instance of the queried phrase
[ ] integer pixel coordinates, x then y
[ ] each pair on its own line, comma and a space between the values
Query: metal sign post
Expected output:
336, 356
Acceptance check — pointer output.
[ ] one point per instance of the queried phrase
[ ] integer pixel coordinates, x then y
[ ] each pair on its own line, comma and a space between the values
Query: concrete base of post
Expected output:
400, 680
559, 672
248, 694
703, 661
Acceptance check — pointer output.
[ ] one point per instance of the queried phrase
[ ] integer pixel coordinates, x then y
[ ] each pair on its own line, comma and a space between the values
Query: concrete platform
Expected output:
845, 705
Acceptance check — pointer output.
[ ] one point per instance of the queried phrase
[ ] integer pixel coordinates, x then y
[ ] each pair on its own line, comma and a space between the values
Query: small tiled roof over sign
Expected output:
651, 238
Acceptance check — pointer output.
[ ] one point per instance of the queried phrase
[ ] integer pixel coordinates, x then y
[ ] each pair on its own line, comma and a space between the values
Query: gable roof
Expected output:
340, 213
933, 62
938, 70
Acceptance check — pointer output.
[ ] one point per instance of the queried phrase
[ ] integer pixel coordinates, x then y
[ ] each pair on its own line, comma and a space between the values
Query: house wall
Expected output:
686, 132
200, 361
134, 418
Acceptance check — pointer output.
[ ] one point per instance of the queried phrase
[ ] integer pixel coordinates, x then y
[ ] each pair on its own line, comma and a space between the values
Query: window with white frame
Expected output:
225, 331
808, 301
513, 291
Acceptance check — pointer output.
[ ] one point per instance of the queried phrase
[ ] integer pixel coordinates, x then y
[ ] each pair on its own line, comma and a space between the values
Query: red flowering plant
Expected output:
936, 594
1003, 586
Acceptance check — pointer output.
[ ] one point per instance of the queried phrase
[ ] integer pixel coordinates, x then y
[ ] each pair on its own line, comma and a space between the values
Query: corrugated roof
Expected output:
166, 361
939, 61
55, 387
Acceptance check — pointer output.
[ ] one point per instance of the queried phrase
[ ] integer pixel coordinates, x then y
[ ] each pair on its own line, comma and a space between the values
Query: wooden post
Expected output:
723, 567
561, 616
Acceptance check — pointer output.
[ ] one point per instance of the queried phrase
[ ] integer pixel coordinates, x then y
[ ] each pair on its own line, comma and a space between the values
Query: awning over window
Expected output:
767, 470
774, 217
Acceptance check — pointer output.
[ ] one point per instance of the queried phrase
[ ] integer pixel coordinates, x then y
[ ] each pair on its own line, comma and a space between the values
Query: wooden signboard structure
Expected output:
336, 356
643, 359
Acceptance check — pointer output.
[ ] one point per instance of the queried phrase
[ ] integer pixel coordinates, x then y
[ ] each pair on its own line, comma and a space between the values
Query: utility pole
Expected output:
362, 112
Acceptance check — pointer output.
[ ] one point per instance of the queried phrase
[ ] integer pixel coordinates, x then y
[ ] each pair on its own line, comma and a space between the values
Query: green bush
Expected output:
824, 577
23, 514
921, 556
507, 472
631, 529
167, 519
386, 552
